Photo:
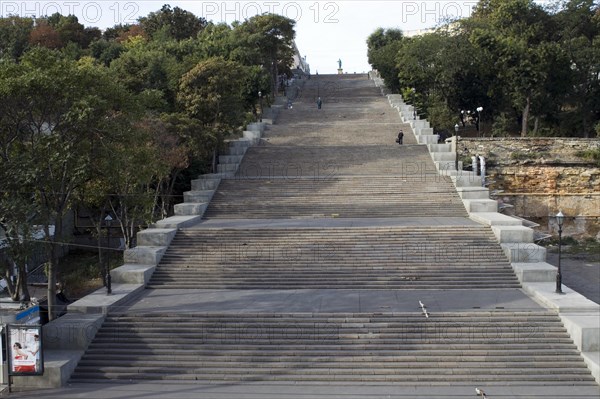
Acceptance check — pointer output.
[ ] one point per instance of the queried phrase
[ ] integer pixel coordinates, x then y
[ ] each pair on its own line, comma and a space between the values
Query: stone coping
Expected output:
101, 302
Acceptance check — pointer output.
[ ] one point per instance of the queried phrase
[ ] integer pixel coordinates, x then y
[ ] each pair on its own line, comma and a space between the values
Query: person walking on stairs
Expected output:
400, 137
319, 103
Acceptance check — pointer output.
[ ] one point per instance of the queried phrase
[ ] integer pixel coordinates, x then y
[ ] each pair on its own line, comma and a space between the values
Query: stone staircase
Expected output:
335, 196
415, 257
326, 205
527, 348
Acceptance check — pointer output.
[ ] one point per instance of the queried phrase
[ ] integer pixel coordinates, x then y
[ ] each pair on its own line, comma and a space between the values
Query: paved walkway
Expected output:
579, 274
250, 390
329, 301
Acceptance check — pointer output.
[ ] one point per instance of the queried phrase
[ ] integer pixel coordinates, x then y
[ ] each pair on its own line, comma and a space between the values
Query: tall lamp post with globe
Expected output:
107, 279
560, 218
261, 105
456, 144
479, 109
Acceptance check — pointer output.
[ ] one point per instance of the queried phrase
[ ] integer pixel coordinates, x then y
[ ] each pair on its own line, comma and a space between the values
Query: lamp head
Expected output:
456, 128
259, 93
479, 109
560, 218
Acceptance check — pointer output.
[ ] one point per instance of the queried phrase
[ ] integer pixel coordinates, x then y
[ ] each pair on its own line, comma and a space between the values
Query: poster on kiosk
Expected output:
24, 350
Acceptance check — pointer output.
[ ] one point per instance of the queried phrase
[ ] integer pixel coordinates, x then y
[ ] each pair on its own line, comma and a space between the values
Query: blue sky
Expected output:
326, 30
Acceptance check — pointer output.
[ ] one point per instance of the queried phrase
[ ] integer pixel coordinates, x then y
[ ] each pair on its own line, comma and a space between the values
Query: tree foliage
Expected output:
111, 121
60, 109
520, 61
175, 22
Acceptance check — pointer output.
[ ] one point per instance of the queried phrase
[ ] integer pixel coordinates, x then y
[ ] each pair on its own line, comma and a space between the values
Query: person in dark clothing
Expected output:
319, 103
442, 136
400, 137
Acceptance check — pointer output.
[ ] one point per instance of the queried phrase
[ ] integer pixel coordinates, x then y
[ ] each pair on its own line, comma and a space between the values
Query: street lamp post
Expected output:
560, 218
456, 147
479, 109
261, 105
107, 279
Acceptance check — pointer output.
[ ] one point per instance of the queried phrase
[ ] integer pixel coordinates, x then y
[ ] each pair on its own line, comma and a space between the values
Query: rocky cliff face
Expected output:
539, 176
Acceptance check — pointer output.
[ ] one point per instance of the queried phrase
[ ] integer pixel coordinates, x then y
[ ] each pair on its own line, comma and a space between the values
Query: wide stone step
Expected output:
323, 162
360, 258
468, 369
541, 379
326, 194
567, 358
496, 346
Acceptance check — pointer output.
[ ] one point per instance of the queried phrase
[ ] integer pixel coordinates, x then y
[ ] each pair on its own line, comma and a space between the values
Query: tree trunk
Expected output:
214, 160
525, 120
22, 290
584, 121
536, 122
51, 289
12, 289
99, 242
53, 264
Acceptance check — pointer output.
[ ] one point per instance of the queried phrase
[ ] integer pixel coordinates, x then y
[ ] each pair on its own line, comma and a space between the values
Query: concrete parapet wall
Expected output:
73, 331
524, 252
155, 237
99, 302
494, 218
535, 272
207, 183
584, 329
144, 255
132, 274
58, 367
514, 234
189, 209
178, 222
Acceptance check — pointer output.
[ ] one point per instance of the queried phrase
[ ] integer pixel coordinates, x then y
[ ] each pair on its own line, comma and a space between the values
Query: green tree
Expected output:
266, 40
45, 35
148, 67
177, 23
60, 111
14, 36
579, 36
213, 93
515, 34
17, 213
383, 48
106, 51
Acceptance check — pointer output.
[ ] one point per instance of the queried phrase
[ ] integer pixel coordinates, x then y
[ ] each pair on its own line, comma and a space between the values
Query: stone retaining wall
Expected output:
540, 176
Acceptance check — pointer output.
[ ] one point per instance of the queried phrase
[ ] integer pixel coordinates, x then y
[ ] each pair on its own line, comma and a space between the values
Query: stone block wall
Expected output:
540, 176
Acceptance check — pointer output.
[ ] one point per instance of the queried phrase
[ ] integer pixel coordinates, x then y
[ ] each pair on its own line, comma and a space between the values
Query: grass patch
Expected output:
591, 155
